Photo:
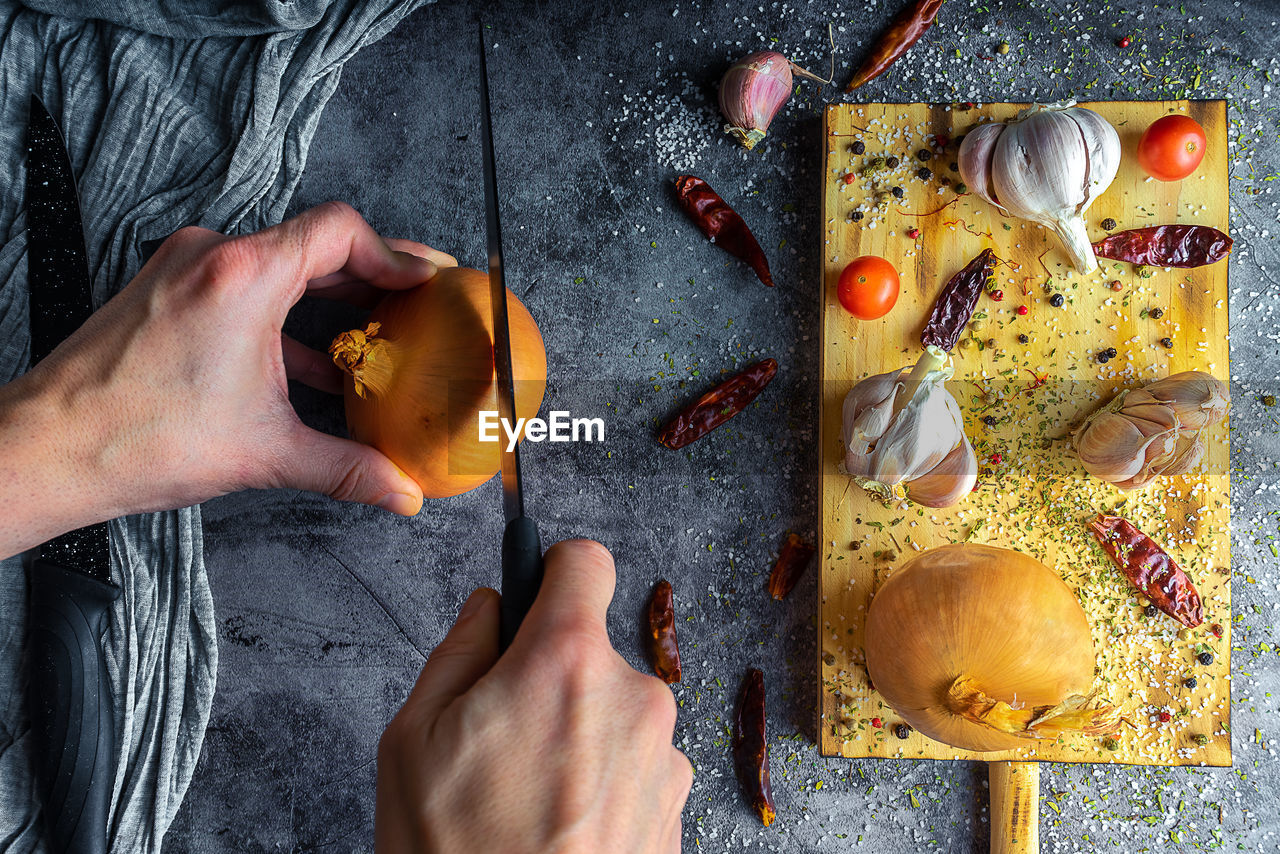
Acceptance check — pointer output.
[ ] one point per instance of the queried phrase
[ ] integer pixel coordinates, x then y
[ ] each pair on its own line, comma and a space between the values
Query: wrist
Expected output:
50, 480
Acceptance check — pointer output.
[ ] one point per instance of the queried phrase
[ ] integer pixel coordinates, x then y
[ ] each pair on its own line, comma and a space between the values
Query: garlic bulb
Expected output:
904, 435
1152, 431
1047, 165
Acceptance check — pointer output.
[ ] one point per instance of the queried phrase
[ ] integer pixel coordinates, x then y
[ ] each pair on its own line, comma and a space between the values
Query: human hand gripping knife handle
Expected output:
68, 698
521, 546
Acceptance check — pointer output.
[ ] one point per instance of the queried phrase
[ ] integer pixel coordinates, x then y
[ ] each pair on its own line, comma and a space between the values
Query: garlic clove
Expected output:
922, 435
1103, 145
1151, 418
948, 481
1187, 453
1116, 449
866, 414
1198, 399
975, 160
751, 93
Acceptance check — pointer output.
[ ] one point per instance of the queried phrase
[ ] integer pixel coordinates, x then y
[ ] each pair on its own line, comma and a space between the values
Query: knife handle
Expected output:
71, 707
521, 575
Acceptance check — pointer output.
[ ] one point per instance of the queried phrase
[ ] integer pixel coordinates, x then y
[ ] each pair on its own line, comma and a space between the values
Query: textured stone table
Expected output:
327, 611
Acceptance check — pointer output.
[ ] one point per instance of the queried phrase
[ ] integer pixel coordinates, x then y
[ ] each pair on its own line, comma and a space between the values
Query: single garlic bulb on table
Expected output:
1047, 165
1153, 431
904, 435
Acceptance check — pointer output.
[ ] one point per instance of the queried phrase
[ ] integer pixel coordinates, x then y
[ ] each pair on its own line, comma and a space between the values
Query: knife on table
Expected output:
521, 546
68, 698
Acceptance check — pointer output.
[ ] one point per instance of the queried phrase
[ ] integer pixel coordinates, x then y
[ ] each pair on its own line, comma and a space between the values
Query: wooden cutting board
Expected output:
1037, 497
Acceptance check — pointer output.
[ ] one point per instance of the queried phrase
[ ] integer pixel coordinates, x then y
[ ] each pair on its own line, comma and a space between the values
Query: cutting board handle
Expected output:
1015, 807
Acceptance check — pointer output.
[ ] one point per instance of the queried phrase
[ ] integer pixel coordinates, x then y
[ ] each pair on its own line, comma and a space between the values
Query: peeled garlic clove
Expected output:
867, 410
948, 481
1197, 398
751, 93
923, 434
975, 160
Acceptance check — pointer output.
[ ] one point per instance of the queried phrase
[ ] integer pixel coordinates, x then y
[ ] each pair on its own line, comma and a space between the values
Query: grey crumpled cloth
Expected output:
197, 112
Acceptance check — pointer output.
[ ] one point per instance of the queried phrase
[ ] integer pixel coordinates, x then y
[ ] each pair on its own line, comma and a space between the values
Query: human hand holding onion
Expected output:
175, 391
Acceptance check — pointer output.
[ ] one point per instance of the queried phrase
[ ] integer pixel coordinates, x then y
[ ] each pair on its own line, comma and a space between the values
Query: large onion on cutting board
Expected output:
422, 371
984, 648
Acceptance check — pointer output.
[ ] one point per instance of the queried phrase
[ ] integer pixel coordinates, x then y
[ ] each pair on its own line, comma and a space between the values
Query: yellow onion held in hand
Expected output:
984, 648
422, 371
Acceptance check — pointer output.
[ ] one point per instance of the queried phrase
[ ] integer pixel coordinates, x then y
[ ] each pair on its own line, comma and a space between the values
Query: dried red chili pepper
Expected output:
663, 648
1166, 246
955, 304
792, 561
718, 405
750, 748
1149, 569
912, 23
721, 224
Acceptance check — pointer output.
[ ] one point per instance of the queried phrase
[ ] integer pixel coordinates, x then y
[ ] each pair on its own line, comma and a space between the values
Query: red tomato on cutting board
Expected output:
868, 287
1172, 148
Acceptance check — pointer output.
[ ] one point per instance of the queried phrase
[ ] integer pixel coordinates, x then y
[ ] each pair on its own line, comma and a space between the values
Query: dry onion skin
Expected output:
984, 649
421, 372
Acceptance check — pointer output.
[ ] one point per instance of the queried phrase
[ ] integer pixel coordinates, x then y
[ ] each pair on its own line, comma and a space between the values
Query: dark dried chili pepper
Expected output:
912, 23
721, 224
956, 302
663, 648
1166, 246
718, 405
750, 748
792, 561
1149, 569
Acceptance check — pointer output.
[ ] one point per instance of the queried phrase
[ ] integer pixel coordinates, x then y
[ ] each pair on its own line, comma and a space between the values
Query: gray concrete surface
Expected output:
327, 611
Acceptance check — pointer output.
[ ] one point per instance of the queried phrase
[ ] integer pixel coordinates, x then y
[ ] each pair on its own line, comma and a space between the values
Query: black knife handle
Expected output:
521, 575
71, 706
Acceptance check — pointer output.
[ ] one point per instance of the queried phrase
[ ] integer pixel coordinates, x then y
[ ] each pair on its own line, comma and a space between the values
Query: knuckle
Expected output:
658, 703
228, 264
335, 211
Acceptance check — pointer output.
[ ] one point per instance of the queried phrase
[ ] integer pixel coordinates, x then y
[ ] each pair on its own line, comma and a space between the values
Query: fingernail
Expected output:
400, 503
471, 606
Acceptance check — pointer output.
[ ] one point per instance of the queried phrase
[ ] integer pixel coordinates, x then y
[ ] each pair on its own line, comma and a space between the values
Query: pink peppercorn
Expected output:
1165, 717
1125, 41
997, 458
997, 295
1022, 311
913, 233
848, 177
1216, 629
877, 723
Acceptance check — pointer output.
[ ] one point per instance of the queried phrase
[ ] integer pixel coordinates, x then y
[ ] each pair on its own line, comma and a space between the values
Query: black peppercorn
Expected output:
1156, 313
855, 216
858, 147
989, 420
1056, 300
1166, 343
1205, 658
1108, 224
924, 154
897, 192
1102, 357
1111, 352
1151, 610
892, 162
924, 173
1023, 339
902, 731
954, 167
1190, 682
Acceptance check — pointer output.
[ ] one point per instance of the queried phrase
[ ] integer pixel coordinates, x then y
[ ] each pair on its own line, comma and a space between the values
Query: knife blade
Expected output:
521, 545
69, 699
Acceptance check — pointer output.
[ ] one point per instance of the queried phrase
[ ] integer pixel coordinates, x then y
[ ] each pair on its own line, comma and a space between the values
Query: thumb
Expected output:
466, 654
349, 471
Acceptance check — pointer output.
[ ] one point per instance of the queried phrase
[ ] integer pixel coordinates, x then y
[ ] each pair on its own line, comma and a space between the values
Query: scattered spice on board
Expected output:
1151, 571
912, 22
718, 405
721, 224
1166, 246
792, 562
750, 747
664, 651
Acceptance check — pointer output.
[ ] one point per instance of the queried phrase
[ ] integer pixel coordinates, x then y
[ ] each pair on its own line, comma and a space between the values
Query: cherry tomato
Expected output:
868, 287
1171, 148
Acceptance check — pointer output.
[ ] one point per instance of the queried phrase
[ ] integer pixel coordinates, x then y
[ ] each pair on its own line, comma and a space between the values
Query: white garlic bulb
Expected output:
1047, 165
904, 435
